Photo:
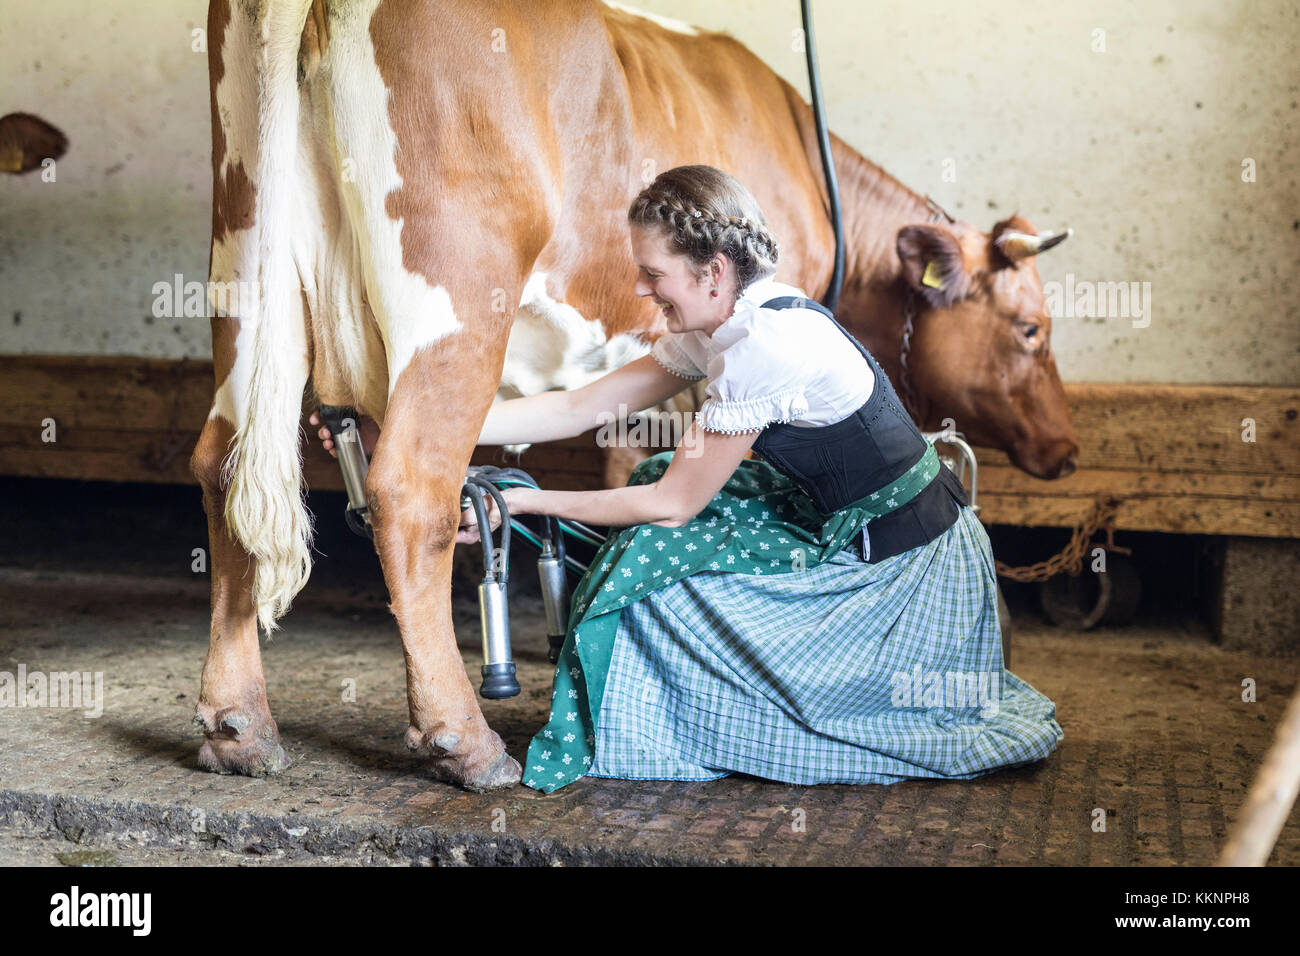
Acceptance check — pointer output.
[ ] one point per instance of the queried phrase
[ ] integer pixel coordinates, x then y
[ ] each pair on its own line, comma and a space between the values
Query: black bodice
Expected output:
839, 463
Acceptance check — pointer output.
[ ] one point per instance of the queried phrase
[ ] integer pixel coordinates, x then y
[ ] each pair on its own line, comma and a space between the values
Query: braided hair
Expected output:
704, 211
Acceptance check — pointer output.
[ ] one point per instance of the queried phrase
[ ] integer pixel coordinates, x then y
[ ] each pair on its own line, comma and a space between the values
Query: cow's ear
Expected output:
25, 140
933, 264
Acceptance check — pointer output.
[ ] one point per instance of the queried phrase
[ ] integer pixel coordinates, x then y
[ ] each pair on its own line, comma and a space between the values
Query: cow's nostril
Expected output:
1068, 465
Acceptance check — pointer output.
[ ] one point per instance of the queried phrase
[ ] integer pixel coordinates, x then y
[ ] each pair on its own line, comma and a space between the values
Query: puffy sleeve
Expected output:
751, 386
669, 352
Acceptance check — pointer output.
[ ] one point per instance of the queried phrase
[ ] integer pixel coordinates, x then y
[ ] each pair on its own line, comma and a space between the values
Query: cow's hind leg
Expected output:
232, 710
430, 429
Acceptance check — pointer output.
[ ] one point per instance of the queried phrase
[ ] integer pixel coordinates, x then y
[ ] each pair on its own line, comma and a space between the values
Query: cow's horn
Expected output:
1021, 245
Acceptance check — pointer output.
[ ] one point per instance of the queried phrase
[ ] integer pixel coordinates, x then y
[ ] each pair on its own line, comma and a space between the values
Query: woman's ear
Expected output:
718, 268
933, 264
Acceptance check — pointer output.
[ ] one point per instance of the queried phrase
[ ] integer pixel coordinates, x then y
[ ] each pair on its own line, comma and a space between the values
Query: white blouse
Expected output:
769, 365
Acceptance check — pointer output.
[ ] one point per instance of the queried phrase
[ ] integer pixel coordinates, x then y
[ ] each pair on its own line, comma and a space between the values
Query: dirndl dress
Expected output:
755, 639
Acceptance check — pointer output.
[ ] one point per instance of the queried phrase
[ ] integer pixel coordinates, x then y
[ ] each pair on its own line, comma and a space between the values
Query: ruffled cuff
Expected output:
752, 414
672, 359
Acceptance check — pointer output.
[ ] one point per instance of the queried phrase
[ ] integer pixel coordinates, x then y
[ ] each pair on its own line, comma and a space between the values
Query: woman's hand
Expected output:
368, 428
516, 503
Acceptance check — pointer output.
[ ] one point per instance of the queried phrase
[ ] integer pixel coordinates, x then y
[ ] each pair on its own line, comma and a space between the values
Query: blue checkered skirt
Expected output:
847, 672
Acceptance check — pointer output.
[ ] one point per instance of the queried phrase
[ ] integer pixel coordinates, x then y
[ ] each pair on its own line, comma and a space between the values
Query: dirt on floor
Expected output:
1159, 746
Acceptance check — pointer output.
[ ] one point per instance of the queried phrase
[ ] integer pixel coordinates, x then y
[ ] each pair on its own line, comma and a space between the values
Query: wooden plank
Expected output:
104, 392
1181, 502
1183, 515
1174, 453
1170, 427
1131, 483
1182, 428
96, 454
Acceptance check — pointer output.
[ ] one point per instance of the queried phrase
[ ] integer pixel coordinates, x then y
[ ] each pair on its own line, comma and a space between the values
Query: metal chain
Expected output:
937, 214
1071, 556
904, 378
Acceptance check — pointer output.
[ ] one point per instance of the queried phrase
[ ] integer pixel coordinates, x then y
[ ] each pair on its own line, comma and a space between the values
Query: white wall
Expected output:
131, 204
1139, 148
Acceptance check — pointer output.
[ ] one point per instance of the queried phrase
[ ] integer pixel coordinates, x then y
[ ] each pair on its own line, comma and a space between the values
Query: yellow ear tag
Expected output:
931, 277
11, 159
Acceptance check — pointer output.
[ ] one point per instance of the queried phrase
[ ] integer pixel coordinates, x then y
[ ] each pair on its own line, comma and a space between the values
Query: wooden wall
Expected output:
1174, 454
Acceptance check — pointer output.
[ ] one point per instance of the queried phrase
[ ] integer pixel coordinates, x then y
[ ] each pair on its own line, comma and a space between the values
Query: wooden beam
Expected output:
1192, 428
1175, 454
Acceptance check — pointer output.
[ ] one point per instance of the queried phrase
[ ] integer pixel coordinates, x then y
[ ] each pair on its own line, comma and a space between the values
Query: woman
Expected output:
826, 614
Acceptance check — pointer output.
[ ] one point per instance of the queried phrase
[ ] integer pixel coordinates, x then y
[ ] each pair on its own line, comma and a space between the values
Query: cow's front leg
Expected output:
232, 711
414, 488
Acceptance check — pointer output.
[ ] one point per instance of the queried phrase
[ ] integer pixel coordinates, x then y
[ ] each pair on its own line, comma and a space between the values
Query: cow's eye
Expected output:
1030, 330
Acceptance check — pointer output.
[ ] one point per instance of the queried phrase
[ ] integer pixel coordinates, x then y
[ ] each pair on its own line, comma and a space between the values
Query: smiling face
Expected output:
684, 299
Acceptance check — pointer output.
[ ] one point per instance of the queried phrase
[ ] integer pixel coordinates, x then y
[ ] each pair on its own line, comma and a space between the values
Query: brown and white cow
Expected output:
428, 200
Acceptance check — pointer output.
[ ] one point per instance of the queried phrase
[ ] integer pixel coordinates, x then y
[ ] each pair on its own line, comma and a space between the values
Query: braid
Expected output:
702, 229
756, 238
698, 223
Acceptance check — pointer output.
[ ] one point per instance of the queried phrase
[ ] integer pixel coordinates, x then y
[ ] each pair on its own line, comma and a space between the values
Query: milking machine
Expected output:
554, 563
342, 424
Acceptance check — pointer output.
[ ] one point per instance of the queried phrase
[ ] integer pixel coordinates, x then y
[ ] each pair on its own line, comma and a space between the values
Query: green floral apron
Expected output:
760, 522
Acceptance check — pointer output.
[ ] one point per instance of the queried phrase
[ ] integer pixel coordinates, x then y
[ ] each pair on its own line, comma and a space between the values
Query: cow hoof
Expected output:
502, 772
477, 776
239, 742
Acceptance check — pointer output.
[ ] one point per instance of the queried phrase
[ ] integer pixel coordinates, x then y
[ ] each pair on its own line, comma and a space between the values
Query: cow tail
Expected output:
265, 508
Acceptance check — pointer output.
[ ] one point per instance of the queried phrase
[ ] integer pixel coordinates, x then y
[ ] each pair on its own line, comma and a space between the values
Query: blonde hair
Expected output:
703, 211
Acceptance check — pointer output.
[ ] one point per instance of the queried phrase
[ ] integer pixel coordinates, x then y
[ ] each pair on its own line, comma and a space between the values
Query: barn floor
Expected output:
1155, 734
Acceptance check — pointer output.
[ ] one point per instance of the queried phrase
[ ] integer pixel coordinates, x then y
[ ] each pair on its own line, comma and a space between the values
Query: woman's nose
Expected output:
642, 288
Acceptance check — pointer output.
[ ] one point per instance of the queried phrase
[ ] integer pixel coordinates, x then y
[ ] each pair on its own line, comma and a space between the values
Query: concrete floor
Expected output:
1155, 734
97, 577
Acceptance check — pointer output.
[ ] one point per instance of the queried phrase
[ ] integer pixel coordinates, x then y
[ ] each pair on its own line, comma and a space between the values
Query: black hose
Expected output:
515, 473
356, 525
551, 524
832, 296
557, 538
475, 495
495, 492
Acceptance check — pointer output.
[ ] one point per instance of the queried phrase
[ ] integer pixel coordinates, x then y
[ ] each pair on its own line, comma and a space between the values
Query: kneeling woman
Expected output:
827, 614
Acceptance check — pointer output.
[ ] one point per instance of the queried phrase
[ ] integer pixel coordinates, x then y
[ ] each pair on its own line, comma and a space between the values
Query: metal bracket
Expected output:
964, 461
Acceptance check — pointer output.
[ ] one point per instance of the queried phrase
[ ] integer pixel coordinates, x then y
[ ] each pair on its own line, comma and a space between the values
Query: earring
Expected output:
714, 293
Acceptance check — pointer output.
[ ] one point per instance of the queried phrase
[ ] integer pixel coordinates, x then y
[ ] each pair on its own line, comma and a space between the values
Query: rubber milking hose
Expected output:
505, 522
475, 495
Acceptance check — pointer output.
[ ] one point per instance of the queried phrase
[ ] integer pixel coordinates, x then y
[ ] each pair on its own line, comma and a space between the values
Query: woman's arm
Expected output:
556, 414
548, 416
700, 466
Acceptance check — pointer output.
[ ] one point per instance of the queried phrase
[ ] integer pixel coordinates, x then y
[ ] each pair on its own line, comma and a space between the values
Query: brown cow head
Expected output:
26, 140
980, 350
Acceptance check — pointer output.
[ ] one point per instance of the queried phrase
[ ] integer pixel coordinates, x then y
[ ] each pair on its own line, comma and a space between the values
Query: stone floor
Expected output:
1156, 736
